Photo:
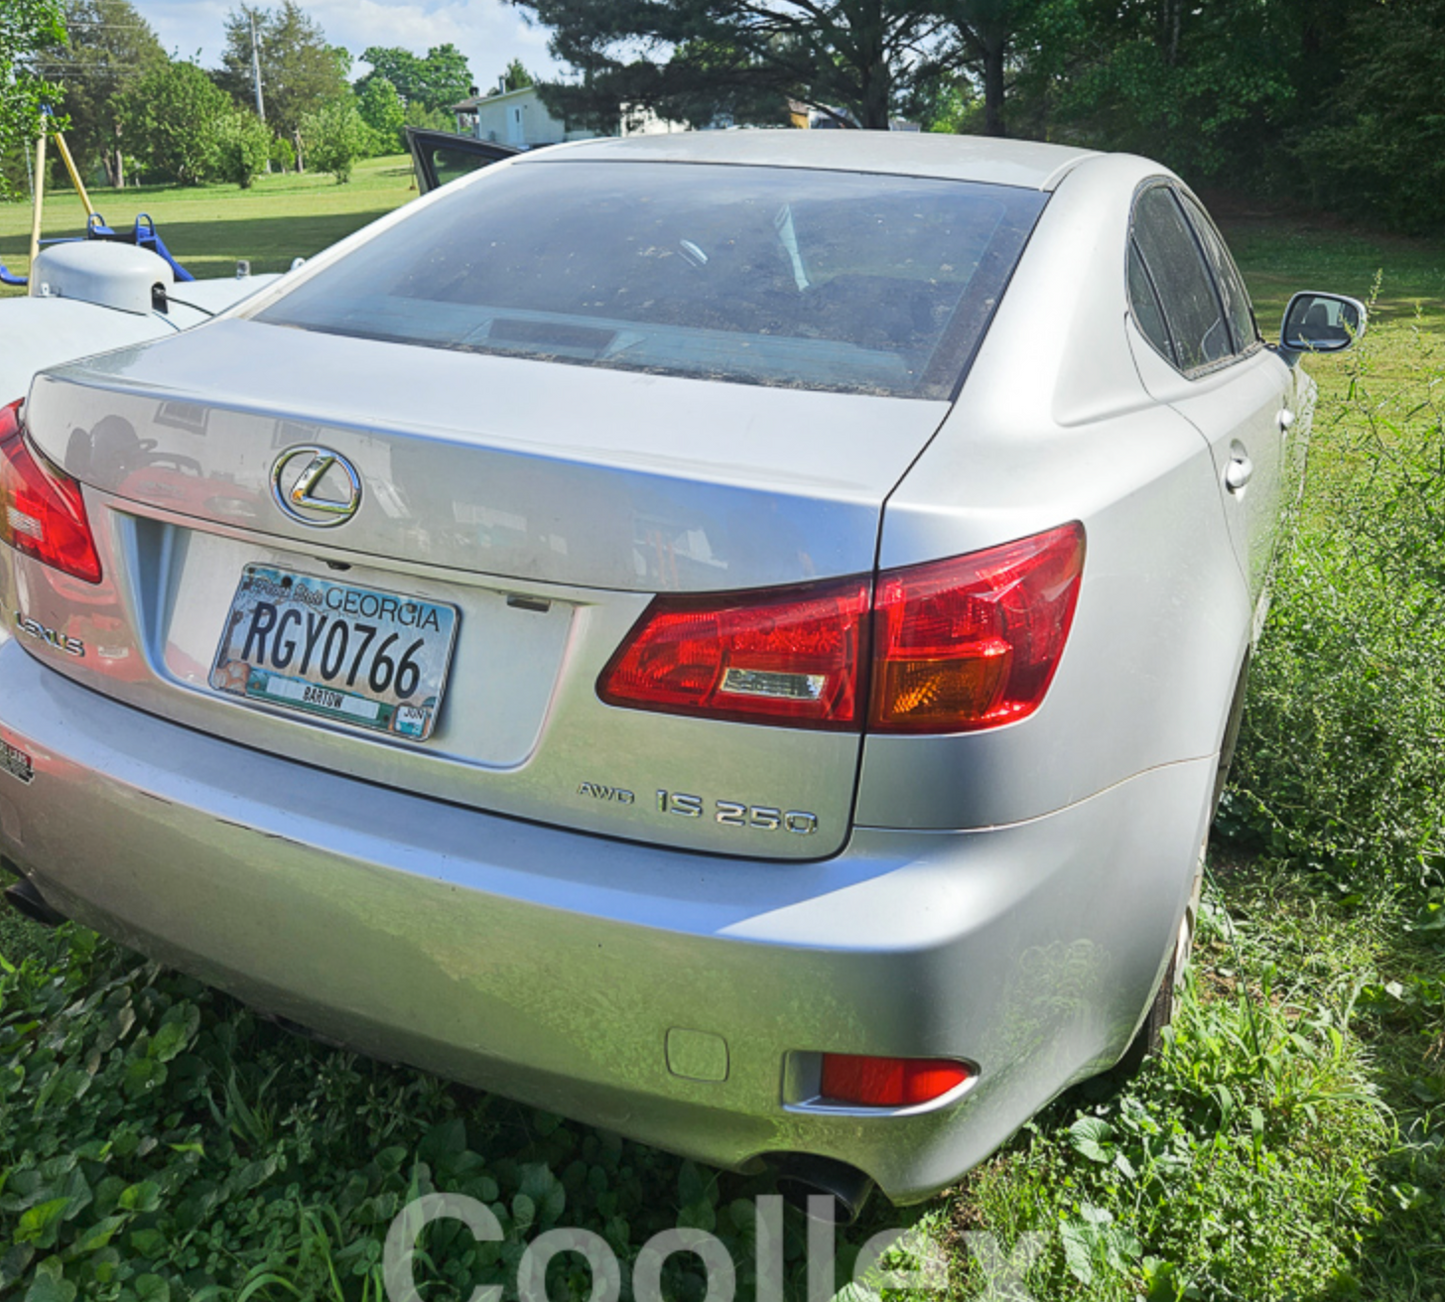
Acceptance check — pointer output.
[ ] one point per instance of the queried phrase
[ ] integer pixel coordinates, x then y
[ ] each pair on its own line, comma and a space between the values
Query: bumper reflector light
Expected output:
889, 1082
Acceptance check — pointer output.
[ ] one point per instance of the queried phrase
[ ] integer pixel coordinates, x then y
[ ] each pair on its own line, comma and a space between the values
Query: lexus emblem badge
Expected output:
316, 486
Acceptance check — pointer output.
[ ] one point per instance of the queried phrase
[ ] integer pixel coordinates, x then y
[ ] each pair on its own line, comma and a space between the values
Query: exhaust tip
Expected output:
30, 903
821, 1187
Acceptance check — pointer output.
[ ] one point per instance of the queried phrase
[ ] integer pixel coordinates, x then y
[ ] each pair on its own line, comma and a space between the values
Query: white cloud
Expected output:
489, 32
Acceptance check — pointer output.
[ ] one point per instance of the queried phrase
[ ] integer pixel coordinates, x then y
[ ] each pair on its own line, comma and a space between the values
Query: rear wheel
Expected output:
1150, 1035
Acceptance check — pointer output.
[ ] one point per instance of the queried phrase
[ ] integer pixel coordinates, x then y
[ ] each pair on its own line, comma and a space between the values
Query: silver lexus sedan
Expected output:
729, 637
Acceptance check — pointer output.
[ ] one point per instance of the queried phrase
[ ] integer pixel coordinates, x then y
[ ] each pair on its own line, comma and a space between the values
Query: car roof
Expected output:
1023, 163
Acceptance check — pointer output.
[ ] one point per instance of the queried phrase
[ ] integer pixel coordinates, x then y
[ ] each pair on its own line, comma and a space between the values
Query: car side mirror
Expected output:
1321, 323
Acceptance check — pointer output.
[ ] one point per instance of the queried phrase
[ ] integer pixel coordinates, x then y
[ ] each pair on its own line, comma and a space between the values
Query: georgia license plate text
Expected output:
354, 655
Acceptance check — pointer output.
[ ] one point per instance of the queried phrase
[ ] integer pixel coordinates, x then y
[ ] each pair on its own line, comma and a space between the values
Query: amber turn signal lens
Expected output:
973, 641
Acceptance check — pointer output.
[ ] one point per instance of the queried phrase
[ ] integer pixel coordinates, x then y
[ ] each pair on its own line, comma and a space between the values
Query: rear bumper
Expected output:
552, 966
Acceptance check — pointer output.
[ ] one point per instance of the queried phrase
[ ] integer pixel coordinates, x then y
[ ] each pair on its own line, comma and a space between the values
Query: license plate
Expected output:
353, 655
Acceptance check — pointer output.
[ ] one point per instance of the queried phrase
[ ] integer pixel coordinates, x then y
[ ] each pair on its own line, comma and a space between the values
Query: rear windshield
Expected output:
810, 279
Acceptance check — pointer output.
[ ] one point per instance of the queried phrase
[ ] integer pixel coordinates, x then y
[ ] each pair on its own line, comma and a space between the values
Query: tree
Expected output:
173, 119
243, 147
109, 47
984, 29
1223, 90
418, 115
300, 72
26, 28
989, 39
335, 137
944, 103
400, 67
448, 77
850, 58
383, 112
1378, 140
435, 82
517, 77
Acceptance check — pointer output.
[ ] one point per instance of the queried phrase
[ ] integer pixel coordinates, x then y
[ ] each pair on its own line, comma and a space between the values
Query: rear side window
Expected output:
1145, 305
1186, 292
782, 276
1226, 275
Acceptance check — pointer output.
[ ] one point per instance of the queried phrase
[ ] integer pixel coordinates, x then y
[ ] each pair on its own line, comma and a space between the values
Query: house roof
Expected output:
473, 102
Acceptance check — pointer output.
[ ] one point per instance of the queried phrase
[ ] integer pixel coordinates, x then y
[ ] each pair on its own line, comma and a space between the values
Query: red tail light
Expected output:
42, 513
957, 645
889, 1082
974, 641
783, 655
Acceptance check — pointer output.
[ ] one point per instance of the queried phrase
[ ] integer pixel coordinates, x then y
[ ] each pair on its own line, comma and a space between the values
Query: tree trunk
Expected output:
300, 157
1170, 18
993, 87
876, 76
114, 162
875, 98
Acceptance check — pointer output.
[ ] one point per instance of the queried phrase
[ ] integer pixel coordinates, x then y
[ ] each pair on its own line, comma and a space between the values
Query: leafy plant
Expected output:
173, 116
1341, 760
383, 112
334, 137
159, 1141
26, 27
243, 147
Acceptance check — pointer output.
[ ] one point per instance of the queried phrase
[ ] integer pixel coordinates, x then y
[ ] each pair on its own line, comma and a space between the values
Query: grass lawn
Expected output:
209, 227
158, 1141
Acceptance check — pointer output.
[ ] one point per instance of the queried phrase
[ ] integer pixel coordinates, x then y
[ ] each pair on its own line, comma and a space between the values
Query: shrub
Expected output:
173, 120
283, 154
335, 137
243, 145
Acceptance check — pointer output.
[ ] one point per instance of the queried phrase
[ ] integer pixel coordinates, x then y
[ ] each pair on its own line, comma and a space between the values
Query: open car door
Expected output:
442, 156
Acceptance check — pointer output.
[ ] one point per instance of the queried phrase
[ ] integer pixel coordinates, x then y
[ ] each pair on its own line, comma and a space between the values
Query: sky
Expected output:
489, 32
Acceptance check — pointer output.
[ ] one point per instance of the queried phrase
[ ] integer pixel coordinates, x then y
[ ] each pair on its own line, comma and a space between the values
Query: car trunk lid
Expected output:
544, 503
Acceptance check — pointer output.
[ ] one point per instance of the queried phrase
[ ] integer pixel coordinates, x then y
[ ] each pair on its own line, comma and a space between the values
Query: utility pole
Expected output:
256, 69
256, 79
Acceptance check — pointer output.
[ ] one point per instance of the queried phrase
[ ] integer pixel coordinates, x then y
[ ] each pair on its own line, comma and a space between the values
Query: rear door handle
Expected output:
1239, 471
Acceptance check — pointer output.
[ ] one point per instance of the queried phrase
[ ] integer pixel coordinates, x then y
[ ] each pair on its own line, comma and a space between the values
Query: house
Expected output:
520, 118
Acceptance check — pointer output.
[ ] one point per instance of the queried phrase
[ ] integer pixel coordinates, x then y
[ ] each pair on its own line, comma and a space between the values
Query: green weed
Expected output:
160, 1142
